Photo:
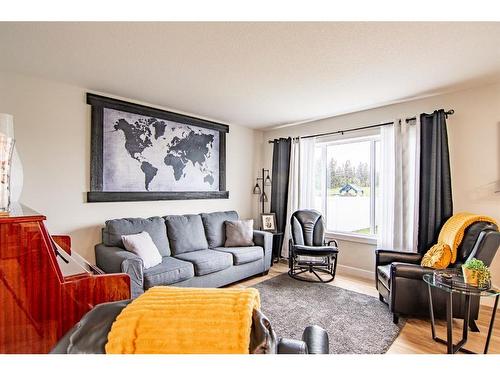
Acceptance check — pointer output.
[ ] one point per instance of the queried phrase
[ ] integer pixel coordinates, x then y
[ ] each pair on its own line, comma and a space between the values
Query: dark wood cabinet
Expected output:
44, 287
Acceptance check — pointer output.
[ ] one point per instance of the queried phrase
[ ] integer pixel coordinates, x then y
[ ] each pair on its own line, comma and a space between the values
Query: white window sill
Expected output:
352, 238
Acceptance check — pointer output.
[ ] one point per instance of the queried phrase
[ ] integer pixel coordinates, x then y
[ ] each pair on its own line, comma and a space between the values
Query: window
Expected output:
346, 184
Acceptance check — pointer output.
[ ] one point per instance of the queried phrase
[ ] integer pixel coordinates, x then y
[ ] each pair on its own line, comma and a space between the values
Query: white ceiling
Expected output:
258, 74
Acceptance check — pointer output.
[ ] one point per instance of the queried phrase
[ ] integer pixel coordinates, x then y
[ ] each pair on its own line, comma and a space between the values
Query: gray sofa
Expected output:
192, 249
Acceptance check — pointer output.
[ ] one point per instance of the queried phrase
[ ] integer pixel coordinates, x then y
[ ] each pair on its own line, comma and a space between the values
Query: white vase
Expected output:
6, 148
16, 176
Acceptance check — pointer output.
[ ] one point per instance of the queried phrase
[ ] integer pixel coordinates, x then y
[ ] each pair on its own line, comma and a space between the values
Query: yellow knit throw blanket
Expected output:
453, 230
169, 320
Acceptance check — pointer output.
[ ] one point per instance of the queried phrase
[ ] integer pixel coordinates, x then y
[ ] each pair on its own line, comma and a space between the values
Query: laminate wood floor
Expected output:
415, 337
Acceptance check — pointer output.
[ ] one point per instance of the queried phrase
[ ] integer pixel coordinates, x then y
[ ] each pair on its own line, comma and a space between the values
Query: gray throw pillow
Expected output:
239, 233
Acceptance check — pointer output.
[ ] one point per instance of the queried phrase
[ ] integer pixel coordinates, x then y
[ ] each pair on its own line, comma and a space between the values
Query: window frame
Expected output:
372, 136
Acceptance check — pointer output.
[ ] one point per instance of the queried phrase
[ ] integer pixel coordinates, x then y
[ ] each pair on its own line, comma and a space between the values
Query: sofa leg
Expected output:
395, 318
265, 273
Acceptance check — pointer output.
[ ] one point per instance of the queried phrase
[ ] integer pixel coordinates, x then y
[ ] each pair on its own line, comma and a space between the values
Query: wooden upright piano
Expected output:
45, 288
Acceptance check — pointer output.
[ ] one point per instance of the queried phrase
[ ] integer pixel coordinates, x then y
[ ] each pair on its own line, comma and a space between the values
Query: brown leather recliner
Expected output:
399, 276
90, 335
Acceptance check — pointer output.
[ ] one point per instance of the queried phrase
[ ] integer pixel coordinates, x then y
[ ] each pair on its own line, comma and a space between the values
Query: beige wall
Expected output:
52, 128
474, 136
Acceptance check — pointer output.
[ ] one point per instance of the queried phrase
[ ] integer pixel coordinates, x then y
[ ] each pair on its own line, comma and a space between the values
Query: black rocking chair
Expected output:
308, 251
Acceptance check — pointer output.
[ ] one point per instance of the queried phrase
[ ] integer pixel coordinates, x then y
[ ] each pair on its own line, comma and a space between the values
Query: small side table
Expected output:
277, 242
457, 285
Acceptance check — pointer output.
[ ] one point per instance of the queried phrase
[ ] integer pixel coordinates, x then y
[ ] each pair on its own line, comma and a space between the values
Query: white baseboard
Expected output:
357, 272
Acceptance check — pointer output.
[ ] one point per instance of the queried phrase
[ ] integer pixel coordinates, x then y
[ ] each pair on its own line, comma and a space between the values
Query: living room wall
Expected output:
52, 129
474, 139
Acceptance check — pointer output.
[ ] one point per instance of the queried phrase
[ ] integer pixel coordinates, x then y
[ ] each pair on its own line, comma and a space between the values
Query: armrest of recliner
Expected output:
409, 271
112, 259
330, 241
265, 240
90, 334
383, 257
291, 346
316, 339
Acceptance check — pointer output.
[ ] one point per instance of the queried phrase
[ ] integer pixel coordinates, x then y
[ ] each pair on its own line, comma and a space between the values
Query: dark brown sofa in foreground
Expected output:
90, 335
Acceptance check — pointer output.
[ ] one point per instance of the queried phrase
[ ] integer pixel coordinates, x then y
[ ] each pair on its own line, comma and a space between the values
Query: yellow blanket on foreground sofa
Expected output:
185, 320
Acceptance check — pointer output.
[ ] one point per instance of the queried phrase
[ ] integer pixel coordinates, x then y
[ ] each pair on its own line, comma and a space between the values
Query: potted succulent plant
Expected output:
476, 273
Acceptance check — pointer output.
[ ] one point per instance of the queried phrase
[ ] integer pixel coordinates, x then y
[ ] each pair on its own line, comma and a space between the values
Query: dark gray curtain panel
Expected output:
281, 174
436, 204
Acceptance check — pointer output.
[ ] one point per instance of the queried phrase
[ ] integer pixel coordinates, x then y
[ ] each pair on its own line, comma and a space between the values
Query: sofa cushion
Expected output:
242, 255
207, 261
169, 271
215, 228
185, 233
239, 233
384, 275
155, 226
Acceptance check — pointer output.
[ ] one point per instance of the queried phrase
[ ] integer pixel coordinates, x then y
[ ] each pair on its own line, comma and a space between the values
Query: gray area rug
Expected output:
356, 323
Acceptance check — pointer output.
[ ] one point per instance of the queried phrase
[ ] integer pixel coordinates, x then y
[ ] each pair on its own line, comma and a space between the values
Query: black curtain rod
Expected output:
447, 113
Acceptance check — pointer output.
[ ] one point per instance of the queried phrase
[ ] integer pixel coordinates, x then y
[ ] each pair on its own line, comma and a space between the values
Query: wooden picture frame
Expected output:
268, 222
99, 190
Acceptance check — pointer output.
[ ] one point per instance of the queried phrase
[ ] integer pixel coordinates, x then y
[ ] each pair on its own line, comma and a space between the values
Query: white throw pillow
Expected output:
142, 245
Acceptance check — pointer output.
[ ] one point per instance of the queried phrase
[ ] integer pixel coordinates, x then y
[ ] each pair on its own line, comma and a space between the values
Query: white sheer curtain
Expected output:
293, 193
399, 169
300, 183
306, 173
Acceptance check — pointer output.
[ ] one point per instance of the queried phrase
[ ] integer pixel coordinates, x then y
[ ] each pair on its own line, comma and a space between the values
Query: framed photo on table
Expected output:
268, 222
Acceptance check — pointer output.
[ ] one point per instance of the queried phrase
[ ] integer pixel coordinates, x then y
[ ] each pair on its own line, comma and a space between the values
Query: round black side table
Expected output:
456, 284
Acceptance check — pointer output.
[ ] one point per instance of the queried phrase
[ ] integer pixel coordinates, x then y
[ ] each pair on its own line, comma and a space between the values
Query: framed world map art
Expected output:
141, 153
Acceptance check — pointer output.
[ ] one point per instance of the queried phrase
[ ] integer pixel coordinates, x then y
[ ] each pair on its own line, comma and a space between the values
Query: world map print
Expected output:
143, 153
